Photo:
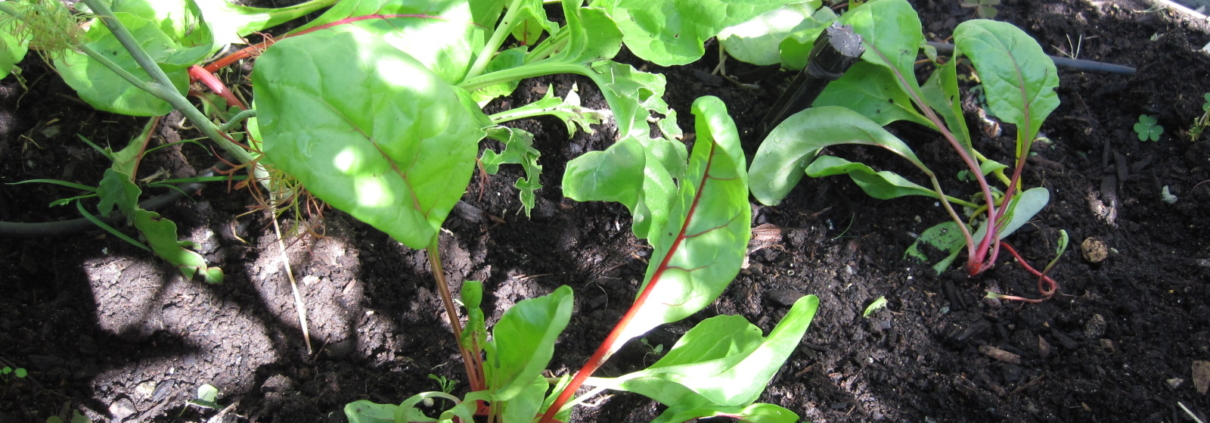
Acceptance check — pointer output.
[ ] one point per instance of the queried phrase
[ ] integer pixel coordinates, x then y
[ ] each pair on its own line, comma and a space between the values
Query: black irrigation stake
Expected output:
836, 49
1062, 62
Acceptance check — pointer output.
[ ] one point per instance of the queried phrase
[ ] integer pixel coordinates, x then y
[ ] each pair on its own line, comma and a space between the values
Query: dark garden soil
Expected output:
107, 329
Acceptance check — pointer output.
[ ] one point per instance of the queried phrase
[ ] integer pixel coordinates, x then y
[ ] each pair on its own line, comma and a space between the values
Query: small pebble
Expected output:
1094, 327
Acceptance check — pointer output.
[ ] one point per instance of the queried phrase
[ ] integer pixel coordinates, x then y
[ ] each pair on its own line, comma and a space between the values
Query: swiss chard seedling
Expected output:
1019, 82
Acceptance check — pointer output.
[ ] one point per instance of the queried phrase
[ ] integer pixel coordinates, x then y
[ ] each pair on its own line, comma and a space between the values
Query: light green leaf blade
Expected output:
364, 411
527, 403
1018, 78
627, 173
940, 92
701, 247
367, 129
672, 32
872, 91
793, 144
755, 413
891, 31
230, 22
945, 240
12, 47
524, 341
723, 361
756, 41
441, 35
161, 236
883, 185
105, 90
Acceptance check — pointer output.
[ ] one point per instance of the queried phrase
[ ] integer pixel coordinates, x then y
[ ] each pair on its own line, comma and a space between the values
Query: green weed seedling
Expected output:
1200, 124
445, 384
7, 374
983, 8
1147, 128
1018, 81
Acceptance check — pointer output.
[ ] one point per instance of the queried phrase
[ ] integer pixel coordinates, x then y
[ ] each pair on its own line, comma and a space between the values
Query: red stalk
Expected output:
1046, 286
611, 344
208, 79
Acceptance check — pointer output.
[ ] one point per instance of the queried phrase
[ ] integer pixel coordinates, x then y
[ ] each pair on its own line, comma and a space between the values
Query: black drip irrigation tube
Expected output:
69, 227
1062, 62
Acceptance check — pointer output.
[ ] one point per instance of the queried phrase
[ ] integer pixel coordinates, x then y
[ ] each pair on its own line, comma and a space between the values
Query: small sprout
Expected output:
207, 395
657, 350
1148, 129
8, 373
984, 8
874, 306
1201, 122
1167, 196
445, 384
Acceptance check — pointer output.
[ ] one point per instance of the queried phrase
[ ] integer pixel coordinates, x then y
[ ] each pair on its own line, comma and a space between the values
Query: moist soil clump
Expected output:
107, 329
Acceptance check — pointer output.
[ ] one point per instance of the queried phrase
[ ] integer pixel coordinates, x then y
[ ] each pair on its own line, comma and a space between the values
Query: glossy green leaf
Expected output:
366, 128
523, 407
518, 149
882, 185
506, 59
12, 47
161, 236
940, 92
755, 413
872, 91
672, 32
626, 173
230, 22
723, 361
701, 247
891, 32
756, 41
181, 21
1018, 78
364, 411
440, 34
524, 341
104, 89
792, 145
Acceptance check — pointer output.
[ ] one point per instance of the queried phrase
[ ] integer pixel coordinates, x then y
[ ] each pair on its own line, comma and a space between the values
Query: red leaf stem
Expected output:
611, 344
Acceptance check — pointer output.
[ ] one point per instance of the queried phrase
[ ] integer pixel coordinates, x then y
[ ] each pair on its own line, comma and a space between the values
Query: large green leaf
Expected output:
756, 41
12, 47
872, 91
230, 22
441, 35
104, 89
524, 341
882, 185
755, 413
672, 32
366, 128
891, 31
792, 145
700, 248
723, 361
1018, 79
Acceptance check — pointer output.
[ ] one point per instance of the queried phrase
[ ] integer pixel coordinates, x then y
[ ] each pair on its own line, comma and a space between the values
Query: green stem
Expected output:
489, 50
529, 70
161, 86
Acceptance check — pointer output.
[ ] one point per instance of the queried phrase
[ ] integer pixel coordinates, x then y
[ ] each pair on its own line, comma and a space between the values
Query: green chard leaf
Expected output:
12, 46
700, 248
524, 341
756, 41
791, 146
891, 31
882, 185
1018, 77
367, 128
446, 27
627, 173
230, 22
672, 32
872, 91
104, 89
722, 362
